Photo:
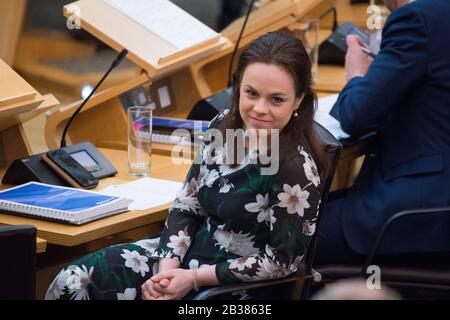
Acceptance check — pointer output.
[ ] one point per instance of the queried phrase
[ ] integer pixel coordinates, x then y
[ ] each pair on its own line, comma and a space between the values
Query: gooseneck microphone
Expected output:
114, 64
236, 47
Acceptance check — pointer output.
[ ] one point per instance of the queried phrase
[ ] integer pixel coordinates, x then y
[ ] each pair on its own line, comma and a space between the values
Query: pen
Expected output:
368, 52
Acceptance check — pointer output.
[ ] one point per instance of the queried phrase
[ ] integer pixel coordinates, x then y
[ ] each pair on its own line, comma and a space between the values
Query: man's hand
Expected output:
356, 61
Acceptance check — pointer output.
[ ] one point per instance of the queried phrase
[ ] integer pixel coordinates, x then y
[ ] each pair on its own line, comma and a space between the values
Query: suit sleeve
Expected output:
365, 102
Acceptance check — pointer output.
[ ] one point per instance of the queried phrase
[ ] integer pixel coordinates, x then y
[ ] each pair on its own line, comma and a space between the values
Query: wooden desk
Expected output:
59, 244
41, 245
330, 79
67, 235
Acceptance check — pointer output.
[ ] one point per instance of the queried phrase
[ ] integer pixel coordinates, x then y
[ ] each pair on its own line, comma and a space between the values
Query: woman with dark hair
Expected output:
232, 221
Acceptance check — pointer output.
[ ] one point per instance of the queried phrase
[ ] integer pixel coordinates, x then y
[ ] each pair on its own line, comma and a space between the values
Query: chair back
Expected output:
18, 266
418, 275
333, 148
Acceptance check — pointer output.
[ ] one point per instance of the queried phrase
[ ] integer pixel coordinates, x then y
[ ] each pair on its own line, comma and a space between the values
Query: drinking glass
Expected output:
139, 140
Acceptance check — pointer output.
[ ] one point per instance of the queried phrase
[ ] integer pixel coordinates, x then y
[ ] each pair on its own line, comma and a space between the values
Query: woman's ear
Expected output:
299, 100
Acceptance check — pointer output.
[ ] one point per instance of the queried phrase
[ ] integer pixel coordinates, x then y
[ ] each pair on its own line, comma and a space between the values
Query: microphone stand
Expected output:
114, 64
236, 47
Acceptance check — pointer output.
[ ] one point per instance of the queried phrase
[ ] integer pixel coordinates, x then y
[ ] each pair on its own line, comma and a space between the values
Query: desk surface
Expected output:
67, 235
41, 245
330, 78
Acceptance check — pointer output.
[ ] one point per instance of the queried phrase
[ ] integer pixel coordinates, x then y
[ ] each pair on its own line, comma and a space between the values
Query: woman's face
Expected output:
267, 97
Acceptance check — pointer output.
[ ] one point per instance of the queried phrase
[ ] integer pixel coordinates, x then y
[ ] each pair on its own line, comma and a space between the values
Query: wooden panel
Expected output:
261, 18
12, 87
14, 145
12, 14
95, 17
41, 245
330, 78
356, 13
56, 122
106, 122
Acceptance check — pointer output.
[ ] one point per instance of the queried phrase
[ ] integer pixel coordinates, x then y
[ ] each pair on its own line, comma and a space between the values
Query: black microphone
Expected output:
334, 11
114, 64
206, 109
236, 47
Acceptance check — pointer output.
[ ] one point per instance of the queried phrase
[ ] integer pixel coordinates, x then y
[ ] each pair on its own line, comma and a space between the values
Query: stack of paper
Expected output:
146, 193
324, 118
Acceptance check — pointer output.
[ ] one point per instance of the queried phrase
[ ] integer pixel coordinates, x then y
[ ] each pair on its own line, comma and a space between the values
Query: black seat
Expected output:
18, 262
333, 147
425, 275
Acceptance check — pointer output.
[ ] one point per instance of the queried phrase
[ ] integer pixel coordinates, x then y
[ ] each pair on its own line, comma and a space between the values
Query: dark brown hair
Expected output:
288, 53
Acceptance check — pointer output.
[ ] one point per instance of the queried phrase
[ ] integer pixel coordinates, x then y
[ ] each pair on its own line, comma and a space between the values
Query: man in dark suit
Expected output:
403, 95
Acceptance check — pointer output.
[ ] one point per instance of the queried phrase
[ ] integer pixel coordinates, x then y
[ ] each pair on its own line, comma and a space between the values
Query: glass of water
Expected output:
307, 30
139, 140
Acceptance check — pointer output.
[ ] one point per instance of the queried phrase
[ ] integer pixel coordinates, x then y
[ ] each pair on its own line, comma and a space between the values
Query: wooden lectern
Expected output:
188, 75
19, 102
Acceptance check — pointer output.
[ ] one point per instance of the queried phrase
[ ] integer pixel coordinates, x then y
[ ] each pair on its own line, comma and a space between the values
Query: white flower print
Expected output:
269, 251
237, 243
207, 177
225, 185
226, 169
180, 243
242, 263
212, 154
56, 288
268, 269
135, 261
129, 294
205, 150
78, 282
219, 155
262, 206
310, 168
293, 199
308, 228
272, 220
186, 198
149, 245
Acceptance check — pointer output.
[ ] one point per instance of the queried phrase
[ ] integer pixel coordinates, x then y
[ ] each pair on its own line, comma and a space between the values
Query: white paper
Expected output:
323, 116
166, 20
146, 193
164, 97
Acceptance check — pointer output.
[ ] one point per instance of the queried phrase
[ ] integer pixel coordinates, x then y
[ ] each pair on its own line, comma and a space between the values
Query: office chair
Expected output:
333, 148
422, 278
18, 262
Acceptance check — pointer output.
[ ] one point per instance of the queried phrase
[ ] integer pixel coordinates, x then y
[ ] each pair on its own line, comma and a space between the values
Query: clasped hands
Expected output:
169, 285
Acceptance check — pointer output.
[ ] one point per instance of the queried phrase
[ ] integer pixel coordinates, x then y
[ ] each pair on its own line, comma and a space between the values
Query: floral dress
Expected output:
250, 226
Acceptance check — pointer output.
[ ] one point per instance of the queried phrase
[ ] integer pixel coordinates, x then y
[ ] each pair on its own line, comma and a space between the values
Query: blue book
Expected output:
62, 204
174, 123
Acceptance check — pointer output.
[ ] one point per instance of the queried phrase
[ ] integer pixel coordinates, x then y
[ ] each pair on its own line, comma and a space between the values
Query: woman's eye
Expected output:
277, 100
251, 93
